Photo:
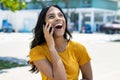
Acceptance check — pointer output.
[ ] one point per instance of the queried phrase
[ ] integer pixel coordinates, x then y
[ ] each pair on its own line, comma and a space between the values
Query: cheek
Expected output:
65, 25
64, 21
50, 22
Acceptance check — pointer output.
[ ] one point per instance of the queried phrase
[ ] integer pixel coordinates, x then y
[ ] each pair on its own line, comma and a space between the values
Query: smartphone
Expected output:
50, 28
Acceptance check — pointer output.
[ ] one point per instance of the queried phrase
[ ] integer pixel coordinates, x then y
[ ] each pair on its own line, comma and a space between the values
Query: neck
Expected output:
59, 41
60, 44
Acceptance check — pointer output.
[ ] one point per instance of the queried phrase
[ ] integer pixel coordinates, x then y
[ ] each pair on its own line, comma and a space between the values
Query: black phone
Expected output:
50, 28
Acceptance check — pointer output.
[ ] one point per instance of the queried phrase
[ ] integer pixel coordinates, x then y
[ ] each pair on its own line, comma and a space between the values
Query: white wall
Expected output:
28, 18
20, 19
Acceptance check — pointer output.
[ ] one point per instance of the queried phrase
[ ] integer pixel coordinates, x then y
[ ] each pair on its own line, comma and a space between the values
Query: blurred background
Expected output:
94, 23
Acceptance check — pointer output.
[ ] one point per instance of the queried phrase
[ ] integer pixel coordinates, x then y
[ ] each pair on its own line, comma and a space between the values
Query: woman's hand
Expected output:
54, 70
48, 34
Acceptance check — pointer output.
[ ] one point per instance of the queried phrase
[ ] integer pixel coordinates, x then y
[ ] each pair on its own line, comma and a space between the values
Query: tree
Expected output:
42, 2
13, 5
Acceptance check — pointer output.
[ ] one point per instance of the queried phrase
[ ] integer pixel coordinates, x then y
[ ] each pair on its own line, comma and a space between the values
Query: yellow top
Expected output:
74, 56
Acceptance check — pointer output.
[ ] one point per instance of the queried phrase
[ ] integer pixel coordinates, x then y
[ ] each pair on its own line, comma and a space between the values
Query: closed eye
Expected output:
60, 15
50, 16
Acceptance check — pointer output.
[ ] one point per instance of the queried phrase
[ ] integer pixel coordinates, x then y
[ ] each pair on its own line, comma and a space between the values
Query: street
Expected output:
102, 48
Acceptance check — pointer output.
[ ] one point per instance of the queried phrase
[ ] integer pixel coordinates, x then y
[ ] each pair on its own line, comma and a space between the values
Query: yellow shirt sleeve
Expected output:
36, 53
82, 54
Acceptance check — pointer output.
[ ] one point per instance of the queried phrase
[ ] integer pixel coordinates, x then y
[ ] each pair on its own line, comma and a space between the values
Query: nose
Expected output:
57, 18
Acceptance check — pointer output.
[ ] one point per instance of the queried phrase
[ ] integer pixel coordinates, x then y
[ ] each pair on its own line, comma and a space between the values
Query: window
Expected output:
87, 3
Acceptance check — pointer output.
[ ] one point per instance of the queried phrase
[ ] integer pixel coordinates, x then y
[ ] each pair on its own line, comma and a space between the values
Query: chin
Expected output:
59, 34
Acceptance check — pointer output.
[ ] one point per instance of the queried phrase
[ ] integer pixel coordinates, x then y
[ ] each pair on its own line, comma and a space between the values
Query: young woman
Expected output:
53, 53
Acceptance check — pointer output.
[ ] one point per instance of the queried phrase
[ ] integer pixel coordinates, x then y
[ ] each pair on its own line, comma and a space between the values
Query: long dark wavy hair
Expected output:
38, 31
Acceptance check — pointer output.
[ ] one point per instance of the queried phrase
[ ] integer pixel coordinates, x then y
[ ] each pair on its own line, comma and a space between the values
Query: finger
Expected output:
45, 27
52, 31
48, 28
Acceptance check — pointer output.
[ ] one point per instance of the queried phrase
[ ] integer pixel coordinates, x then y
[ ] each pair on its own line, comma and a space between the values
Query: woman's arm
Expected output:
54, 70
58, 67
86, 72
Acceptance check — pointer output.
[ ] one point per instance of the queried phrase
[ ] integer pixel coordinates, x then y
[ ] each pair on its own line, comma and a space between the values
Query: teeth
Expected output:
58, 25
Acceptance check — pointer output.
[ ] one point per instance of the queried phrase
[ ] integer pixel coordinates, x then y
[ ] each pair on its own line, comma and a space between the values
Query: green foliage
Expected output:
13, 5
118, 17
8, 64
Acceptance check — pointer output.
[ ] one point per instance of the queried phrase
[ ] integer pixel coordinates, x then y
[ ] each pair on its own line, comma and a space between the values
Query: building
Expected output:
92, 12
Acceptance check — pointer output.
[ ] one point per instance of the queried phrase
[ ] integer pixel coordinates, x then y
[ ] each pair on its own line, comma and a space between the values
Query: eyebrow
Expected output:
50, 14
53, 13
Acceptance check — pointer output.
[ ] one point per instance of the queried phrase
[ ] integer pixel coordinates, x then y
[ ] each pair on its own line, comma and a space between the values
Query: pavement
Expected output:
101, 47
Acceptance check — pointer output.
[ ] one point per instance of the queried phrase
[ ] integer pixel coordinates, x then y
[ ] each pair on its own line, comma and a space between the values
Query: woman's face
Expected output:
57, 20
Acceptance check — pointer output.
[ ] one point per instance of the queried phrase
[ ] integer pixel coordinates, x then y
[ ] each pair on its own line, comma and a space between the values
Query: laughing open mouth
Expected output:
58, 27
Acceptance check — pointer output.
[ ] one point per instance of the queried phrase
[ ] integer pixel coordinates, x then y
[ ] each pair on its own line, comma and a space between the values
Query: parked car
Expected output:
86, 28
111, 28
6, 27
